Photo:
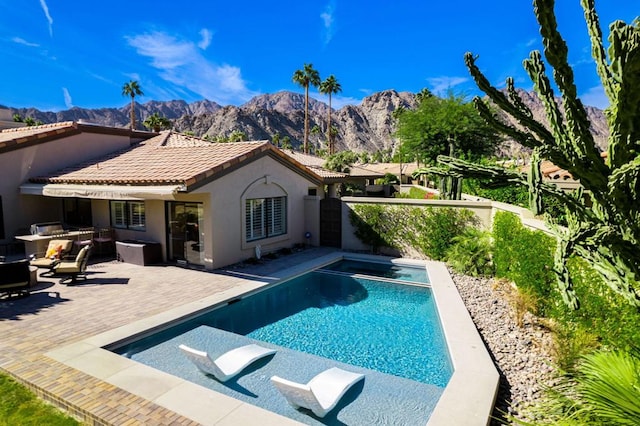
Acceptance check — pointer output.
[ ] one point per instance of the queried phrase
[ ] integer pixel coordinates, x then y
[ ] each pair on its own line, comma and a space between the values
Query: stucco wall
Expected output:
482, 209
264, 177
17, 166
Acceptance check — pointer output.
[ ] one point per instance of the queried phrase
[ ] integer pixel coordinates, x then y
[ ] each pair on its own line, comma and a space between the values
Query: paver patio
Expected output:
114, 295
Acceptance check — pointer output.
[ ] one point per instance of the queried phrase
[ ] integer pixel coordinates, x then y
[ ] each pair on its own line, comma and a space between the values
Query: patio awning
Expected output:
103, 192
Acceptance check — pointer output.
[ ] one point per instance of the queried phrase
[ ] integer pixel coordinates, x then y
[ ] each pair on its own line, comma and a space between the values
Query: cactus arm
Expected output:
623, 113
534, 181
500, 99
587, 161
598, 51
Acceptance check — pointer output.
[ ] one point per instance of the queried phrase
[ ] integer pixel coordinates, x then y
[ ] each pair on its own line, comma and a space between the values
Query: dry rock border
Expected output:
521, 353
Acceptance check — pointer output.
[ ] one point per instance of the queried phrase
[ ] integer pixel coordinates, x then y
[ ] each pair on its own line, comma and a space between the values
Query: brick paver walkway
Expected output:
115, 294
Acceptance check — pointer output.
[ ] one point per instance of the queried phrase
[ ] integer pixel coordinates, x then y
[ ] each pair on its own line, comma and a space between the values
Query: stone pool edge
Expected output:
468, 398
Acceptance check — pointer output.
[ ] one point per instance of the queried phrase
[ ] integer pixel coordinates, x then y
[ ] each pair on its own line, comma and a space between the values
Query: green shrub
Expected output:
369, 222
524, 257
435, 228
571, 342
416, 193
470, 253
512, 194
602, 311
426, 229
506, 228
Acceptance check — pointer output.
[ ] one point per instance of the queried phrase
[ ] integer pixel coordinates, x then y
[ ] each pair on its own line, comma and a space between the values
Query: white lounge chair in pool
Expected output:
228, 364
322, 393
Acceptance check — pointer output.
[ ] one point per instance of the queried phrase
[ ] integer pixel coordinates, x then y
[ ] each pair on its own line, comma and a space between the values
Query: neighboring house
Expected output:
560, 177
209, 204
403, 171
357, 175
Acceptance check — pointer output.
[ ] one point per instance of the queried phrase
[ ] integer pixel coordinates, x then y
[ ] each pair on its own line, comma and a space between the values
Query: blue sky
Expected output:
63, 53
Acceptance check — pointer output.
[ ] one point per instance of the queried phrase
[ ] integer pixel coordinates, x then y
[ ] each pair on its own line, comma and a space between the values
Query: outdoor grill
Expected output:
47, 228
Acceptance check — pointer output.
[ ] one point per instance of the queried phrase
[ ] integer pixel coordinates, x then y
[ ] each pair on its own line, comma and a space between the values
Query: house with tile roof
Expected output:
207, 204
26, 152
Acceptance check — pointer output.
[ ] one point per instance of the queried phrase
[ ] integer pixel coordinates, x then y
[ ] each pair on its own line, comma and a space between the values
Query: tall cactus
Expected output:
606, 230
534, 179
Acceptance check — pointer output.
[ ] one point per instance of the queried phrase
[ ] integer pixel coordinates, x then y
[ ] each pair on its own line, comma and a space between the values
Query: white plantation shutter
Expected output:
255, 219
118, 216
128, 215
278, 215
136, 215
265, 217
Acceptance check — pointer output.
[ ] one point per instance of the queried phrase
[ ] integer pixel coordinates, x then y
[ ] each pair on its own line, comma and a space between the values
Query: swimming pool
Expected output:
376, 324
385, 399
371, 323
390, 270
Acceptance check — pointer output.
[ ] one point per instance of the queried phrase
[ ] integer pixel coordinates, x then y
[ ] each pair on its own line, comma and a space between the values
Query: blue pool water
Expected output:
380, 269
390, 331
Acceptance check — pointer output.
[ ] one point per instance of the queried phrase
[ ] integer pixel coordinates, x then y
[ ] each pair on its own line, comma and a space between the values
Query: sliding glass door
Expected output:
185, 227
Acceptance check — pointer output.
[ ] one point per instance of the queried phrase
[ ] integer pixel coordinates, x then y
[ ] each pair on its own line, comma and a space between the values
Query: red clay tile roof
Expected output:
169, 158
316, 164
19, 137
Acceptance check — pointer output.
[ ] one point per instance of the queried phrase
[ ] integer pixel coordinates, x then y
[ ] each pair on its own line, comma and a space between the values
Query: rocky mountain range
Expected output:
365, 127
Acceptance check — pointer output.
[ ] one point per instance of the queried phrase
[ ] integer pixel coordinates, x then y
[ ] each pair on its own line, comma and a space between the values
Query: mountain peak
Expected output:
284, 101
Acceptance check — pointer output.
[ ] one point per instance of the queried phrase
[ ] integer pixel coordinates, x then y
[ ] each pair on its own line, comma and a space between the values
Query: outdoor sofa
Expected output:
14, 278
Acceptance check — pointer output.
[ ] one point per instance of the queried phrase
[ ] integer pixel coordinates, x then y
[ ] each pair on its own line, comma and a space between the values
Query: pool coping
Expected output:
473, 385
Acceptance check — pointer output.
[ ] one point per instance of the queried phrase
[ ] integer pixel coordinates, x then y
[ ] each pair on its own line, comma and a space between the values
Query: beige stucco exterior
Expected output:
223, 202
18, 165
222, 198
225, 223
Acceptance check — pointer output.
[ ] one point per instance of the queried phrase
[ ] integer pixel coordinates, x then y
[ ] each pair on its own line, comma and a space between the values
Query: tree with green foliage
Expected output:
156, 123
132, 89
305, 77
30, 121
330, 86
237, 136
315, 130
444, 125
285, 142
275, 139
603, 227
17, 118
341, 162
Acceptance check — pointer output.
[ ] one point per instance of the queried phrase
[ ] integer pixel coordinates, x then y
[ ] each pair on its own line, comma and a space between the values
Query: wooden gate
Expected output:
331, 222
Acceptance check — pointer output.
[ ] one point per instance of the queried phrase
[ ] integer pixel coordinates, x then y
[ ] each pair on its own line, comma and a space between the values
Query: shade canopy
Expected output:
103, 192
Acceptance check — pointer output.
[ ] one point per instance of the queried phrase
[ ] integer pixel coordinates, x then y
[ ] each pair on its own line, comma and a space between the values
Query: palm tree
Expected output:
132, 89
307, 76
285, 143
156, 123
329, 87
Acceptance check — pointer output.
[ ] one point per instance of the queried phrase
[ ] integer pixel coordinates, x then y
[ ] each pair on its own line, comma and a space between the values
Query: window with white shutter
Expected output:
128, 215
265, 217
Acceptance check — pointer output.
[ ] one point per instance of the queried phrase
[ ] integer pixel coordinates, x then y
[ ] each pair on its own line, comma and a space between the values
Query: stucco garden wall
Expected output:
484, 209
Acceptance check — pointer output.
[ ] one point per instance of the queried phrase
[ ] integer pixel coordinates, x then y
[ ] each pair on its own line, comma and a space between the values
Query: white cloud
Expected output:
441, 85
181, 63
45, 9
595, 97
328, 22
24, 42
206, 38
67, 98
